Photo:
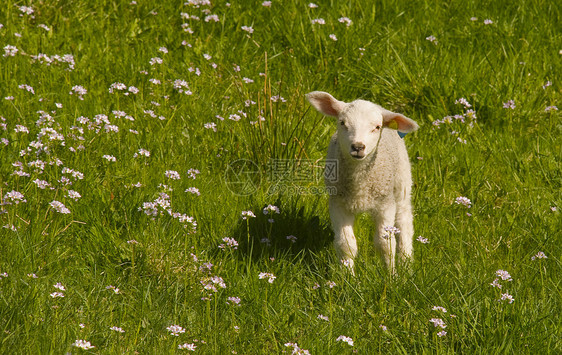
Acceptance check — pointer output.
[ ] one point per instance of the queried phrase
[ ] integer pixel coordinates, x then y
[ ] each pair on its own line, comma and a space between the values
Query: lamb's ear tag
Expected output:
393, 124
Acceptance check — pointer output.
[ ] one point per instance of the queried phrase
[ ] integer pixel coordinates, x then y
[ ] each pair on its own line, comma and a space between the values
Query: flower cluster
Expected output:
229, 243
182, 87
439, 308
10, 51
422, 240
270, 209
26, 10
67, 59
504, 276
59, 293
162, 206
142, 152
468, 116
539, 255
27, 88
115, 290
390, 232
175, 330
59, 207
266, 275
187, 346
210, 125
172, 174
248, 214
432, 39
509, 105
117, 86
345, 339
248, 29
40, 150
233, 300
506, 297
192, 173
461, 200
345, 20
211, 283
296, 349
155, 60
193, 190
109, 158
438, 322
79, 90
83, 344
13, 197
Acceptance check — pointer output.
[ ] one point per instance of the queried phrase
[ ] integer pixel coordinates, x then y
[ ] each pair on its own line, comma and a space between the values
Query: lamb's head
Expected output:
359, 122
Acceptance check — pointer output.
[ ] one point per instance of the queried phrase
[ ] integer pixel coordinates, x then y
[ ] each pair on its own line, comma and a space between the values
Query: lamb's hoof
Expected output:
348, 263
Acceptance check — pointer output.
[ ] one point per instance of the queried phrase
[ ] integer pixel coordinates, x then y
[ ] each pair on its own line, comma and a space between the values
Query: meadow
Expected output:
161, 177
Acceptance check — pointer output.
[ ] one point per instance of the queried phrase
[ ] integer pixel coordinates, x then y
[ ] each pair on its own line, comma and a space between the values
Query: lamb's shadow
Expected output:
291, 233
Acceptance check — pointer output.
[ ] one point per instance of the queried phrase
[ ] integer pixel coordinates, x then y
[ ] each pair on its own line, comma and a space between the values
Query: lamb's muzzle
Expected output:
358, 150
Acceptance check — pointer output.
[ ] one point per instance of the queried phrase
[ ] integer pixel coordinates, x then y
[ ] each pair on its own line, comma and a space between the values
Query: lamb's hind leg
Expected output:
405, 222
344, 238
384, 241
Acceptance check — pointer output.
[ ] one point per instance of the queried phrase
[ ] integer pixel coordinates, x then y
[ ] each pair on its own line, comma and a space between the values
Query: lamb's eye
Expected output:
342, 123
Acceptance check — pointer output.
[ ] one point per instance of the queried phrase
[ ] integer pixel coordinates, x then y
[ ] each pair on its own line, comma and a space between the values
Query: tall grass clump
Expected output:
161, 176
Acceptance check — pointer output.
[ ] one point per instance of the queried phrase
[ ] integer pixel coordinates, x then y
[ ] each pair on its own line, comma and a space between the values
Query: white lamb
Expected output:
371, 174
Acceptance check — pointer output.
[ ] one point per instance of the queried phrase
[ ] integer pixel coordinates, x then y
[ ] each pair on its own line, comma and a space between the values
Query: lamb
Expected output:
371, 173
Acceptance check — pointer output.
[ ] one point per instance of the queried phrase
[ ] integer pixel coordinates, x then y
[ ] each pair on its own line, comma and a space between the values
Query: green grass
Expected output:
510, 168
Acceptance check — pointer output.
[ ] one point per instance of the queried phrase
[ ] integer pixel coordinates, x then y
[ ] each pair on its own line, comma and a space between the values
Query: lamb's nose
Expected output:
358, 147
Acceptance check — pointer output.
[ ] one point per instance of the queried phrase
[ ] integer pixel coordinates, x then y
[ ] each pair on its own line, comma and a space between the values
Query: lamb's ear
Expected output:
325, 103
398, 122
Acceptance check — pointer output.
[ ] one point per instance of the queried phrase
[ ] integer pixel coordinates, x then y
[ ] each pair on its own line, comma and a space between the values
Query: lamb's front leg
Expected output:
344, 238
384, 240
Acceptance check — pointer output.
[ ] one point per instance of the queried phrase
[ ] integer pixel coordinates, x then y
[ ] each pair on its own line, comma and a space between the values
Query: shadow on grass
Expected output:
294, 232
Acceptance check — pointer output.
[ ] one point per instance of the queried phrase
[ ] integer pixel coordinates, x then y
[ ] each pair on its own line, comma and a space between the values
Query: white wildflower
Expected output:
438, 322
172, 174
508, 297
345, 339
83, 344
175, 330
266, 275
59, 207
248, 214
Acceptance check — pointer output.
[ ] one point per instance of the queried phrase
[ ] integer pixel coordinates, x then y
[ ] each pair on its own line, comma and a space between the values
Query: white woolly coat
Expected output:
367, 185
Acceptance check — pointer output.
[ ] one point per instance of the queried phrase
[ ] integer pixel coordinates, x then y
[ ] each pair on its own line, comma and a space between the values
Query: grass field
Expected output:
136, 135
